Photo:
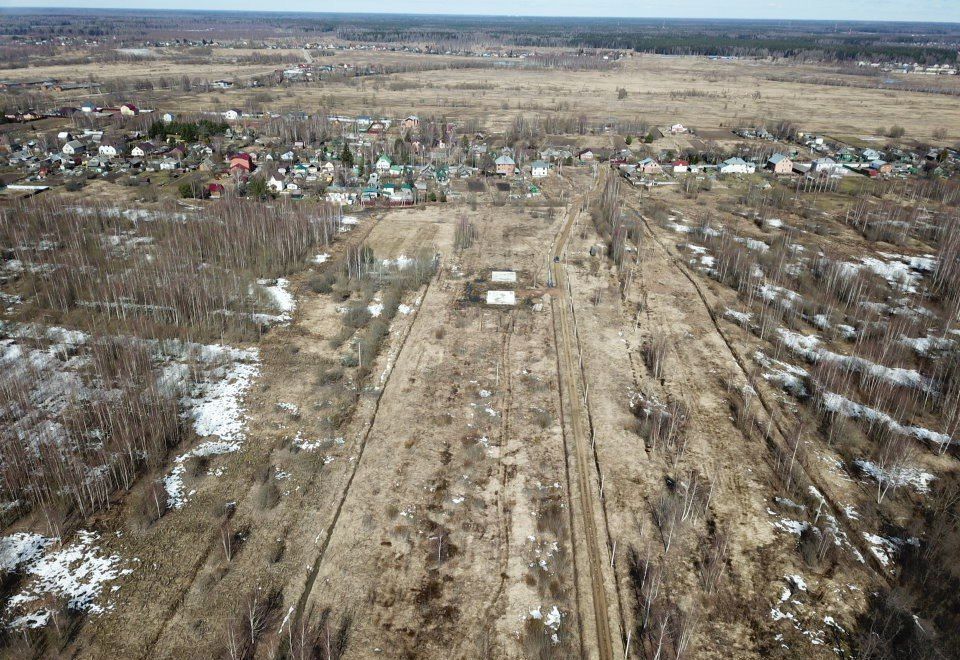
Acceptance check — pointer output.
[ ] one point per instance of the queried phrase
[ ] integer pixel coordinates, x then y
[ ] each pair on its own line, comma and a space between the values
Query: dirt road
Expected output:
594, 542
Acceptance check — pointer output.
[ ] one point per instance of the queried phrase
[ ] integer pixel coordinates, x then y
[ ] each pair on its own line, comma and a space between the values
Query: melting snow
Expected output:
76, 573
836, 403
902, 476
20, 548
807, 347
216, 408
281, 297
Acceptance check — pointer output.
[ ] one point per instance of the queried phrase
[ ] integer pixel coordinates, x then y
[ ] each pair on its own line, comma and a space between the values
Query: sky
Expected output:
884, 10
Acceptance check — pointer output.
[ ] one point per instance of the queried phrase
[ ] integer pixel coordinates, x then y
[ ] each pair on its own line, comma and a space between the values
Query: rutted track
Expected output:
315, 568
574, 415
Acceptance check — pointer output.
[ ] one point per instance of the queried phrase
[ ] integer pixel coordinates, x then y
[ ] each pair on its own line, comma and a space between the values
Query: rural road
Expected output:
574, 417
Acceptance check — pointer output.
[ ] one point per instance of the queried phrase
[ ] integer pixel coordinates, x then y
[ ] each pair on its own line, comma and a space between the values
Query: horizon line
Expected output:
7, 7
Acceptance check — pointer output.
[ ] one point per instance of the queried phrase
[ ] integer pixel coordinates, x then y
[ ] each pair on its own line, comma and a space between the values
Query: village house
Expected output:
780, 164
677, 129
736, 166
231, 114
142, 149
167, 117
383, 164
402, 194
129, 110
111, 148
881, 167
241, 163
74, 147
215, 190
411, 122
586, 156
539, 169
556, 154
341, 196
649, 167
505, 165
826, 165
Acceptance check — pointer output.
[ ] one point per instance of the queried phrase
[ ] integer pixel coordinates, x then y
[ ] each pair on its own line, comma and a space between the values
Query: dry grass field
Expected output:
716, 419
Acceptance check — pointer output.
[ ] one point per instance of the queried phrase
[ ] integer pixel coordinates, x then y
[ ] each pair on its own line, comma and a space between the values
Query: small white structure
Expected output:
275, 184
501, 298
539, 169
503, 276
383, 164
826, 165
232, 114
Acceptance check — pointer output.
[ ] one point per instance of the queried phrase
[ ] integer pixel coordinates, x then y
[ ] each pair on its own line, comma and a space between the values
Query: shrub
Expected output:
152, 503
356, 316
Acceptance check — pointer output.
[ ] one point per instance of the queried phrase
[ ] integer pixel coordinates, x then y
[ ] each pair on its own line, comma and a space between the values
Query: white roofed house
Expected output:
826, 165
736, 166
231, 114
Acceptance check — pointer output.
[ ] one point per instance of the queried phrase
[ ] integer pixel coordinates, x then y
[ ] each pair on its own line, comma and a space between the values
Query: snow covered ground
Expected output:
76, 574
282, 299
216, 409
836, 403
807, 346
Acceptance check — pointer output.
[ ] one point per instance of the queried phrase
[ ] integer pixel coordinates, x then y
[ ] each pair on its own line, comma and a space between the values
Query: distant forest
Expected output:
925, 43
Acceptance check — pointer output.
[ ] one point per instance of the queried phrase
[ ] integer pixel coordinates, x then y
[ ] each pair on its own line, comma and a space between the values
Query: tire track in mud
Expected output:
504, 518
331, 527
853, 535
570, 389
352, 241
596, 461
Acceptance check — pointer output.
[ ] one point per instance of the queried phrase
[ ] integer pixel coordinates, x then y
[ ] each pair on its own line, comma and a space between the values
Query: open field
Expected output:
468, 355
694, 91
